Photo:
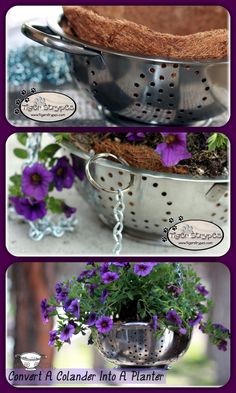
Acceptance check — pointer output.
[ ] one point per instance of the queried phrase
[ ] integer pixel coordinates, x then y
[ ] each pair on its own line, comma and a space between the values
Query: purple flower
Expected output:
35, 181
74, 308
61, 291
104, 267
175, 290
52, 337
155, 322
67, 332
144, 268
174, 318
31, 210
63, 174
109, 277
222, 328
46, 310
135, 136
121, 264
104, 296
182, 331
87, 273
202, 327
201, 289
91, 319
173, 149
91, 288
78, 166
196, 321
222, 345
68, 210
104, 324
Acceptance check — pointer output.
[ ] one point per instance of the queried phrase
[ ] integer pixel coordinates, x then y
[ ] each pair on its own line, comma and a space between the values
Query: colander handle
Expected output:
45, 36
216, 191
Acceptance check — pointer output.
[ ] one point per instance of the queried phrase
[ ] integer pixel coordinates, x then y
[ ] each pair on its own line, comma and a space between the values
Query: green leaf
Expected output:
217, 141
55, 205
60, 137
15, 187
20, 153
22, 138
49, 151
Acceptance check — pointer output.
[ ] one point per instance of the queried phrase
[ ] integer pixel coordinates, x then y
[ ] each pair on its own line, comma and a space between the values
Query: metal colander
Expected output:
141, 89
135, 344
153, 198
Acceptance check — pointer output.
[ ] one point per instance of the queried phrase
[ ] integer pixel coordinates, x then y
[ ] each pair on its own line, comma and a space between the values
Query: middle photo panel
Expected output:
133, 193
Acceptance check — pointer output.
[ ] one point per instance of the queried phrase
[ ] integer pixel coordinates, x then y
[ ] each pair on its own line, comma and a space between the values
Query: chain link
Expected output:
179, 272
119, 217
33, 145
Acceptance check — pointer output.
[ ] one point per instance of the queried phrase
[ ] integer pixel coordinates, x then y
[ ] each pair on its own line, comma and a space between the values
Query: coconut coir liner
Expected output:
137, 156
174, 32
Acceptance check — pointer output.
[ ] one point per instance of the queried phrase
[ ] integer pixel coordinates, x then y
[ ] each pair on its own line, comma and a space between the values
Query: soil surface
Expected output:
140, 153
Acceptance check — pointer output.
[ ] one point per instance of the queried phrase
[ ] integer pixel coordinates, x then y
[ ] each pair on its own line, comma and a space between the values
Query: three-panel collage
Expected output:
118, 196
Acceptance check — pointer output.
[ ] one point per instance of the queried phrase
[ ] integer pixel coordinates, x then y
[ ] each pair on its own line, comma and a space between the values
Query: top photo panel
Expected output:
125, 66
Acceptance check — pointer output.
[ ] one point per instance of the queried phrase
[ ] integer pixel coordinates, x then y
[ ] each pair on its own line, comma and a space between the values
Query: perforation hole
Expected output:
110, 174
204, 98
168, 213
173, 75
152, 84
218, 204
131, 203
148, 94
163, 65
120, 184
144, 178
160, 91
161, 77
152, 70
137, 104
155, 185
169, 203
135, 95
94, 83
164, 193
196, 72
102, 178
92, 72
110, 199
171, 85
142, 76
203, 80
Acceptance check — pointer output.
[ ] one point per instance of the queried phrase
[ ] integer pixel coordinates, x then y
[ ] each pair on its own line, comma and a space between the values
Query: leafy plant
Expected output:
157, 293
217, 141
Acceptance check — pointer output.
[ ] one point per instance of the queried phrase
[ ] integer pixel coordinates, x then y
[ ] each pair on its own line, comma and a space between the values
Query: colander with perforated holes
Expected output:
150, 198
135, 344
141, 89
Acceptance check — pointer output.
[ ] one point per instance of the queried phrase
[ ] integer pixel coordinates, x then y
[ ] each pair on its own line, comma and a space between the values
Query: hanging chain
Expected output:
179, 272
119, 217
33, 145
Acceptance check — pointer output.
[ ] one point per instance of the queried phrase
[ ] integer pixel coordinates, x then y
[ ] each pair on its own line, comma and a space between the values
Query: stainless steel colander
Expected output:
141, 89
151, 198
135, 344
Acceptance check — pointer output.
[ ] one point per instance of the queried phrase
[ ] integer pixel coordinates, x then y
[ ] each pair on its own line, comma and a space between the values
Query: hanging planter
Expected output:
160, 179
139, 314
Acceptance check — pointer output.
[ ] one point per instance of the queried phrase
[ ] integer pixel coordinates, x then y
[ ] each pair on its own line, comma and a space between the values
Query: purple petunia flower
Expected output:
174, 148
182, 331
87, 273
31, 210
104, 296
67, 332
196, 321
68, 210
104, 324
174, 318
91, 319
201, 289
155, 322
202, 327
221, 327
109, 277
121, 264
61, 291
104, 267
74, 308
222, 346
78, 166
45, 310
53, 335
144, 268
175, 290
91, 288
63, 174
35, 181
135, 136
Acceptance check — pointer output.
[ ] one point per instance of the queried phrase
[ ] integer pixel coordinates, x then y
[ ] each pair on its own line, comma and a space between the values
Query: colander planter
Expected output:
153, 198
141, 89
135, 345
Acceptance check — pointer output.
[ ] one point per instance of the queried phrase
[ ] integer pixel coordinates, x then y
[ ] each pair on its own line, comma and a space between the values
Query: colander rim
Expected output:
142, 172
53, 23
22, 356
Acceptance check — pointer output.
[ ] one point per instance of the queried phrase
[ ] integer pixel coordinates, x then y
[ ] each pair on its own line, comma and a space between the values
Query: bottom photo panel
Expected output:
101, 324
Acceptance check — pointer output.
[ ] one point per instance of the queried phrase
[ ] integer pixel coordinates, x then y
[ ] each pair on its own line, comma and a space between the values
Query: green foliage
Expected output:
55, 205
22, 138
132, 298
20, 153
217, 141
15, 185
61, 136
49, 151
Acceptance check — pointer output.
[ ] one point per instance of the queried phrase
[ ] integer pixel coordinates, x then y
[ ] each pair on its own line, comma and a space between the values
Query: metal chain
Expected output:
33, 145
119, 217
179, 272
